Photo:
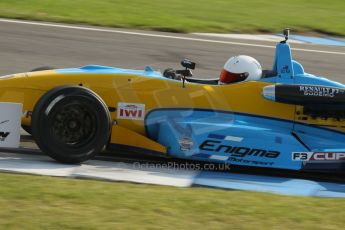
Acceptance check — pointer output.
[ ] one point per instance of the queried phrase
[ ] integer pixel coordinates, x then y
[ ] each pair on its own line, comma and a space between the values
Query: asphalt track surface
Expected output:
24, 46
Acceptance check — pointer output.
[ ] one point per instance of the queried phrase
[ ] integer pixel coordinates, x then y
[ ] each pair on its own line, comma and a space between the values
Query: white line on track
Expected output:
157, 35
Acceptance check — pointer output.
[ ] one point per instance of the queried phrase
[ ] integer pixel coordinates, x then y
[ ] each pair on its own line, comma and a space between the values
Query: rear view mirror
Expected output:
286, 33
188, 64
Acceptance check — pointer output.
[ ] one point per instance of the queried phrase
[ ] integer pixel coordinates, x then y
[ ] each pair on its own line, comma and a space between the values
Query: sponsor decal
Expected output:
10, 118
319, 91
252, 162
3, 122
318, 156
4, 135
186, 144
236, 151
130, 111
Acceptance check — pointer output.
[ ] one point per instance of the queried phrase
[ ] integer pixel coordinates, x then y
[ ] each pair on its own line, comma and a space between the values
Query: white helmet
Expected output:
240, 68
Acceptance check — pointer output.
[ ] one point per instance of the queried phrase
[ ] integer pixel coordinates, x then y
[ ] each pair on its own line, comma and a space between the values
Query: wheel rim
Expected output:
73, 124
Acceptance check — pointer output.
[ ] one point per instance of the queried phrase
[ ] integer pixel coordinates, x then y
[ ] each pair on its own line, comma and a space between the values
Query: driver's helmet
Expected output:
240, 68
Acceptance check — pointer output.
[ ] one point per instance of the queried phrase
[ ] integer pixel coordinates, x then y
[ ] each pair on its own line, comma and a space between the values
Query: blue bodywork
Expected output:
230, 137
222, 136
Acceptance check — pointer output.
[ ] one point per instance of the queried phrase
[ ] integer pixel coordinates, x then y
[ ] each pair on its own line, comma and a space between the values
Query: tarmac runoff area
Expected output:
29, 160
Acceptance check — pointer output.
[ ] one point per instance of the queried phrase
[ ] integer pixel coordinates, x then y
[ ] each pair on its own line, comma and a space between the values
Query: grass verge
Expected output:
35, 202
188, 16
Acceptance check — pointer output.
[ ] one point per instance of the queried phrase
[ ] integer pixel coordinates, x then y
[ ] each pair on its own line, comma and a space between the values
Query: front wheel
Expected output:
71, 124
27, 128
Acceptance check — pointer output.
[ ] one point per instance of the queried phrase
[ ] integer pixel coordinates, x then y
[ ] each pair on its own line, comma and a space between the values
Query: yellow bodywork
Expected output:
27, 88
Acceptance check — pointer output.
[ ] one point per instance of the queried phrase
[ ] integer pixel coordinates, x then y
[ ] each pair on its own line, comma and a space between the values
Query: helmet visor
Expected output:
227, 77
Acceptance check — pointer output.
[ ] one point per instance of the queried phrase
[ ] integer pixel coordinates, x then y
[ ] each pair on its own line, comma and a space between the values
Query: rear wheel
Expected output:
27, 129
71, 124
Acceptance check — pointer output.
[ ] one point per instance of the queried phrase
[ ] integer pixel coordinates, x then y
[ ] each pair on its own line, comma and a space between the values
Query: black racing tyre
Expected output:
71, 124
27, 128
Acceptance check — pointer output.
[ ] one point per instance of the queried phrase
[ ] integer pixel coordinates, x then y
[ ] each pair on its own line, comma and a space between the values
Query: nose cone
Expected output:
269, 92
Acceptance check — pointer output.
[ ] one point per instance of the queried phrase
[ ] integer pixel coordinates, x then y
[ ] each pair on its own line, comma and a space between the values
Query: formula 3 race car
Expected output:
288, 119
